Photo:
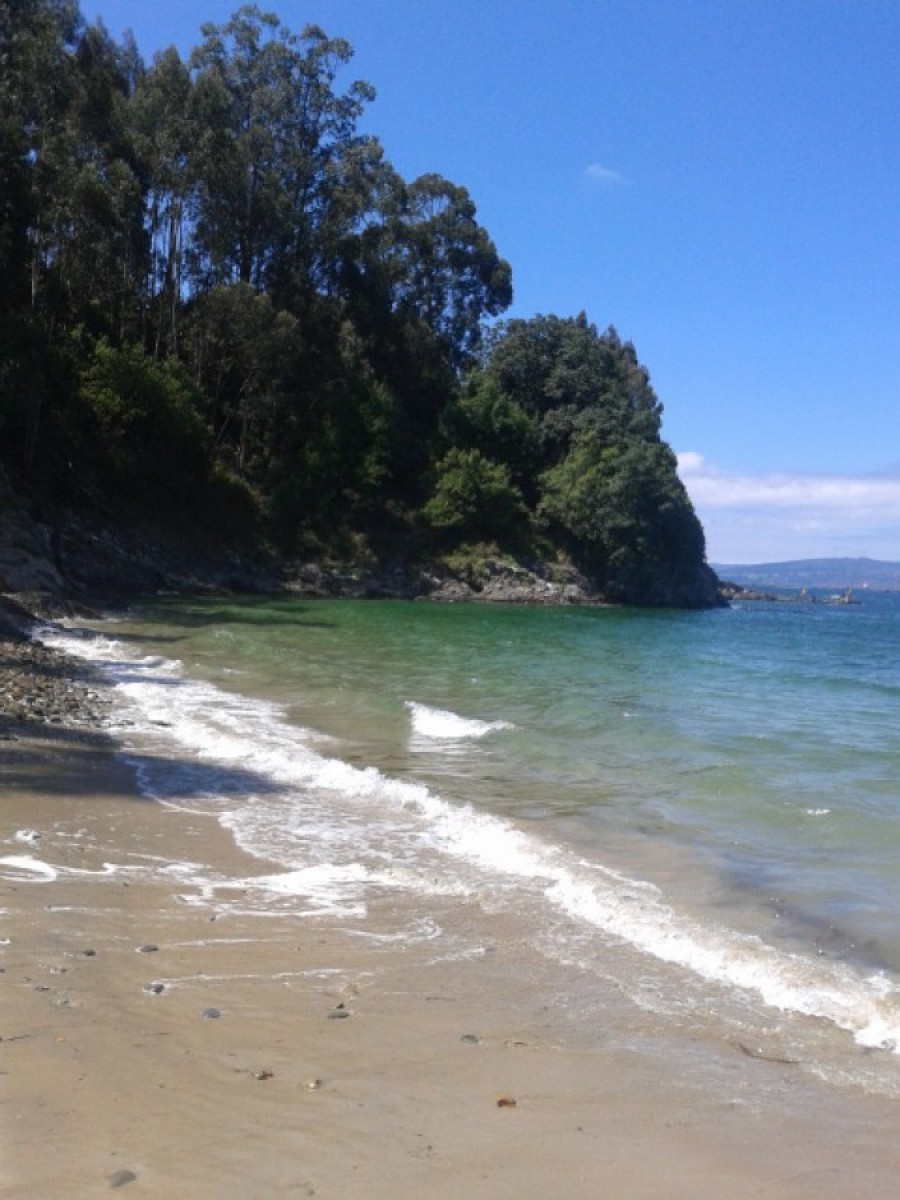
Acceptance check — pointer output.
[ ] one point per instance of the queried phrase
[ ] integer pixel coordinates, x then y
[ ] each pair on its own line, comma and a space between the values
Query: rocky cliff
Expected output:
65, 561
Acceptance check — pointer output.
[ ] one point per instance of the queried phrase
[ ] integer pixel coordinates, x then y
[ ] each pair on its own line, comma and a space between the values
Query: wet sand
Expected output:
149, 1047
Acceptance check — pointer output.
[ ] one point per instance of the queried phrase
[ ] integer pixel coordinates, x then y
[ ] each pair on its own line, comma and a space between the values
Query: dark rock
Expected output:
45, 687
120, 1178
74, 564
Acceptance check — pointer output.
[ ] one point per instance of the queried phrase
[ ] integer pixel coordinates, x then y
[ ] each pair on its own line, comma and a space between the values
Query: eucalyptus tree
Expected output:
419, 278
103, 248
86, 222
37, 85
421, 257
269, 155
243, 354
450, 275
160, 117
74, 201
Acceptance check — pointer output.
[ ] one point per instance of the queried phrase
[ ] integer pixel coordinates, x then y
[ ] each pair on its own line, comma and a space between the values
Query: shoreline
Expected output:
346, 1060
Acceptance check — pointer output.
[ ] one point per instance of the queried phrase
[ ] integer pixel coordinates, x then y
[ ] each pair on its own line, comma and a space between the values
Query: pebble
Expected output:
42, 686
121, 1178
470, 1039
211, 1014
155, 988
148, 948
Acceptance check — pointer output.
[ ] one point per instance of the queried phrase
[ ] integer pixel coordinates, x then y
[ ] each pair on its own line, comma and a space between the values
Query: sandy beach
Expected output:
155, 1042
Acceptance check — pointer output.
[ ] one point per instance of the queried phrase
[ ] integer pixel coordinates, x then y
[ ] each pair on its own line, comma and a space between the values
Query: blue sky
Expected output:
716, 178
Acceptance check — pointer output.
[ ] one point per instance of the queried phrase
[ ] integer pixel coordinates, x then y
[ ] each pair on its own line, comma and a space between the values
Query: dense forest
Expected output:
221, 306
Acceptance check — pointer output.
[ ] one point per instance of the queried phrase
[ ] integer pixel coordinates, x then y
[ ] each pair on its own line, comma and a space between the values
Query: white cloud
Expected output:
601, 174
779, 515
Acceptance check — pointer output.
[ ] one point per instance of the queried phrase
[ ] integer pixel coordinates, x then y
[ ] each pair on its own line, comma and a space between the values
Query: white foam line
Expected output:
234, 733
27, 864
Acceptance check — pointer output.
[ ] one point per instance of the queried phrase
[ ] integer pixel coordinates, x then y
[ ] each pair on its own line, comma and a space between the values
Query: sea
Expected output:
698, 812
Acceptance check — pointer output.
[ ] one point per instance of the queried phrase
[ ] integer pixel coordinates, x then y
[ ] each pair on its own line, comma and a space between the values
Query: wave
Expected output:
337, 828
441, 724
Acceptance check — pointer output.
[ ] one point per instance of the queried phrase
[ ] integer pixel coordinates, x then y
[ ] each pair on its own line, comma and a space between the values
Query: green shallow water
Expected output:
764, 741
707, 800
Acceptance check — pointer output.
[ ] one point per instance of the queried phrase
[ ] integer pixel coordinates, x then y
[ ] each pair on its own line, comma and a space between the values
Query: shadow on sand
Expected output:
74, 763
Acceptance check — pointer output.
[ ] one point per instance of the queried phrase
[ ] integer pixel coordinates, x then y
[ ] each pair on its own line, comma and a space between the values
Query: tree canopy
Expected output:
212, 282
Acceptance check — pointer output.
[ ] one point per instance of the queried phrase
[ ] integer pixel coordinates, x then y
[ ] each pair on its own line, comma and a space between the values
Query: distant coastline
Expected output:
840, 573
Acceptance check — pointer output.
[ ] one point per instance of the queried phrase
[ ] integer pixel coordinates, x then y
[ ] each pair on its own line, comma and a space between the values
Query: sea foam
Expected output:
338, 828
441, 724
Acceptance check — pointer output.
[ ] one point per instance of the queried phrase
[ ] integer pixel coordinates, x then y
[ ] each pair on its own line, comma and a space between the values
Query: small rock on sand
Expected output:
121, 1178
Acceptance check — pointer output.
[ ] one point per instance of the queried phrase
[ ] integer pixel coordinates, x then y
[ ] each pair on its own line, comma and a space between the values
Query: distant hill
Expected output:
815, 573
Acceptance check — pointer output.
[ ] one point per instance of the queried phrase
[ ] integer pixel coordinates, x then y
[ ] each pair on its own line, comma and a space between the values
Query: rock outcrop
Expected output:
56, 567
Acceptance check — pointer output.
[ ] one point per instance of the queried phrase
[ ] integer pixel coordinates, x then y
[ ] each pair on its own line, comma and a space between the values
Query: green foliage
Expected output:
473, 498
219, 300
620, 506
227, 505
274, 145
334, 477
243, 352
142, 422
572, 379
451, 273
487, 420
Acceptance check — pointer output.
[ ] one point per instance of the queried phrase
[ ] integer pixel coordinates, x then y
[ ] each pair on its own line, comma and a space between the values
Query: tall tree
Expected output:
87, 235
36, 40
269, 157
422, 257
451, 276
160, 117
243, 353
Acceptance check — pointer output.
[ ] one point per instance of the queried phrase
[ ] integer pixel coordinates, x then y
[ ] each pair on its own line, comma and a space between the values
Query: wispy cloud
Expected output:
781, 515
601, 174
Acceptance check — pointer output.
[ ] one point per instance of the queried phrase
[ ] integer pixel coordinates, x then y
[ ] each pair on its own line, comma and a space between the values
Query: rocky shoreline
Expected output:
65, 566
59, 562
46, 575
41, 687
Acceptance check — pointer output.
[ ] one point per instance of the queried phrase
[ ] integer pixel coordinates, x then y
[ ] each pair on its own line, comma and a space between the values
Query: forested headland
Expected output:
223, 312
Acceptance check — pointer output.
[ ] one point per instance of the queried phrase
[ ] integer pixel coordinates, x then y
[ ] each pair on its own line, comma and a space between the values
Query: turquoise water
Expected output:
706, 804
